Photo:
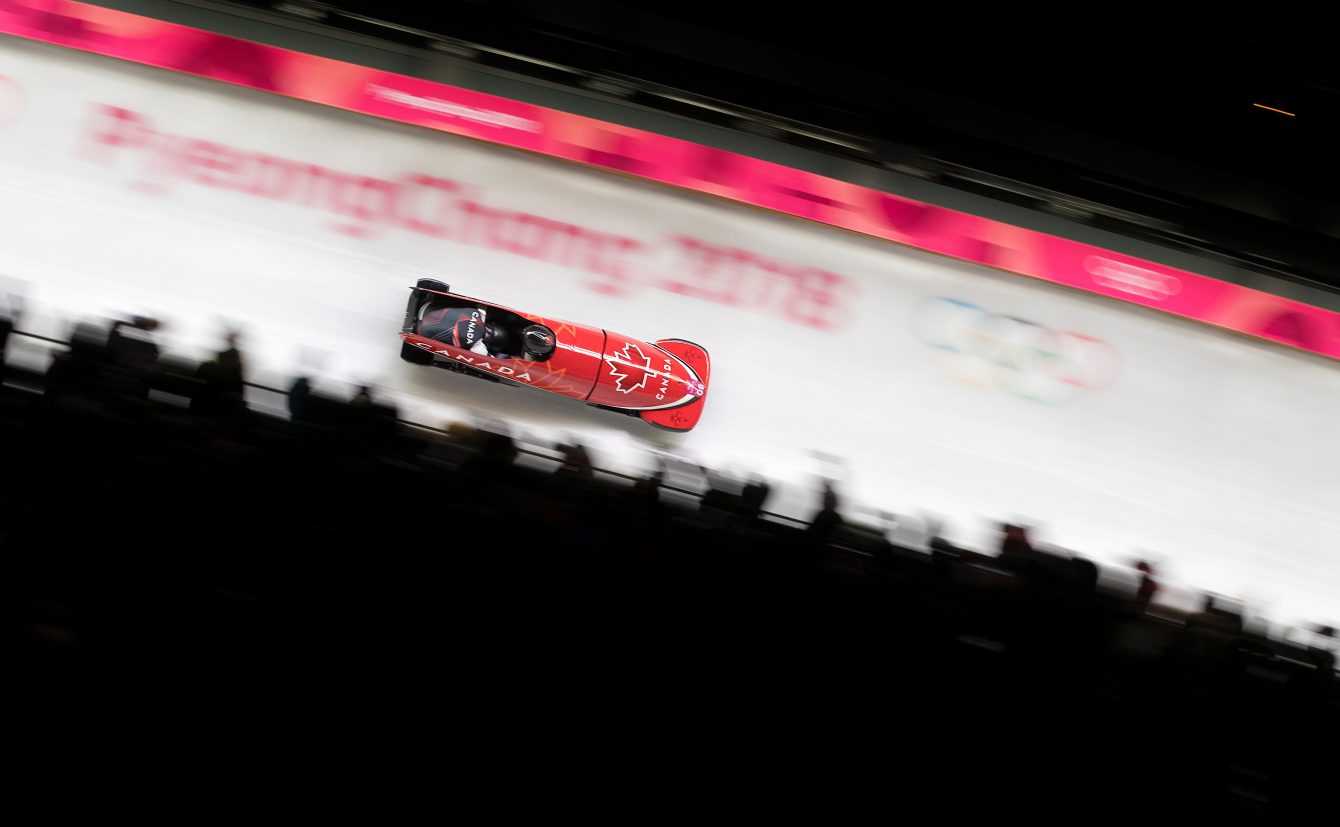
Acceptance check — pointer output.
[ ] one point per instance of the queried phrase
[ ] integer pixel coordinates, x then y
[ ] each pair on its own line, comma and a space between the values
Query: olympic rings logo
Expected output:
1013, 354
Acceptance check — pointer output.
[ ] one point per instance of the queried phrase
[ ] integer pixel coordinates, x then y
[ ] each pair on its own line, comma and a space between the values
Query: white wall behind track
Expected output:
1217, 455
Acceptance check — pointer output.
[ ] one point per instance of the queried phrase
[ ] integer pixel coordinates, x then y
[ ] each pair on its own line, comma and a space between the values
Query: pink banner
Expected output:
672, 161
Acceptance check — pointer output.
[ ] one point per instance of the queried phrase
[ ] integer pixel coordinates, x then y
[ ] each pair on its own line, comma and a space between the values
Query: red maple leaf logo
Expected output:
628, 364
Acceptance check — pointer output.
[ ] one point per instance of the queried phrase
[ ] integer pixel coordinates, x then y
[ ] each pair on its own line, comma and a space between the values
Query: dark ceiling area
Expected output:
1211, 134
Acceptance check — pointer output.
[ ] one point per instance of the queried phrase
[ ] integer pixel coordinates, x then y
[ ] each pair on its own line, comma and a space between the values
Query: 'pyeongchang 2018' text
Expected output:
416, 202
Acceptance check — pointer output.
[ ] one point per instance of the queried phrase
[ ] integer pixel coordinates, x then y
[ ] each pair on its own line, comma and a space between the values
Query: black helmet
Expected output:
538, 340
495, 335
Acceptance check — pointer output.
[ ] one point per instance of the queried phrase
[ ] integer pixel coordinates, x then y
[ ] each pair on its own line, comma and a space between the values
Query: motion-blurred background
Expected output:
1023, 329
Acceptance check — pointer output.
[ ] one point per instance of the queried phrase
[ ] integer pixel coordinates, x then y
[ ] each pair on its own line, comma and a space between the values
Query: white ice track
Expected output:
1216, 456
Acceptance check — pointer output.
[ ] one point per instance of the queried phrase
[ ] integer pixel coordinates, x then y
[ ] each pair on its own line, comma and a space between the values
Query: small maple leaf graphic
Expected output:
628, 363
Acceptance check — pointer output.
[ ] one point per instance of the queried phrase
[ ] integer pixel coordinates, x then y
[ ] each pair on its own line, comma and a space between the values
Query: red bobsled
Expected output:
663, 382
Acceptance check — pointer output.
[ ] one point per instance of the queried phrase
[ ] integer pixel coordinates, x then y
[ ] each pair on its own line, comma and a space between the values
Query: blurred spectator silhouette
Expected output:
133, 355
809, 547
941, 549
361, 414
456, 444
1322, 650
827, 519
1016, 550
1212, 630
493, 458
318, 411
222, 390
76, 377
720, 503
752, 499
370, 422
576, 465
9, 317
1149, 587
298, 395
647, 489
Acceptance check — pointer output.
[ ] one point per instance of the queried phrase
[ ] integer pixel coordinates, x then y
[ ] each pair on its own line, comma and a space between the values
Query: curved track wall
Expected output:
928, 383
